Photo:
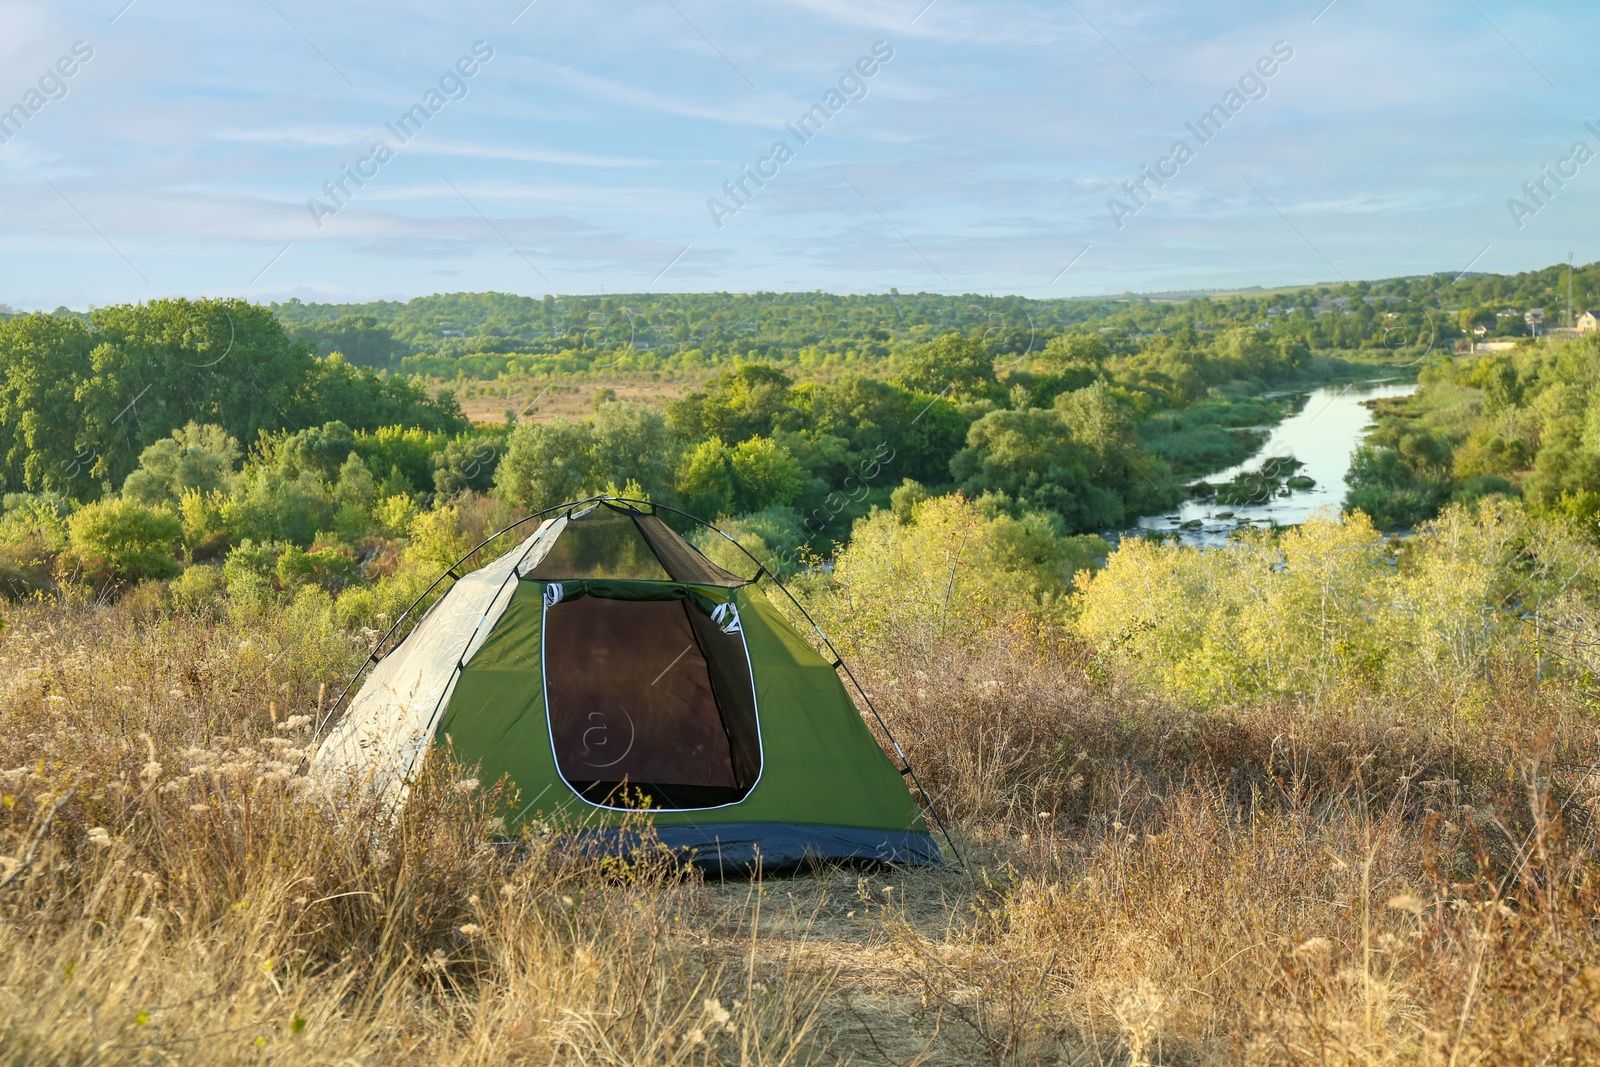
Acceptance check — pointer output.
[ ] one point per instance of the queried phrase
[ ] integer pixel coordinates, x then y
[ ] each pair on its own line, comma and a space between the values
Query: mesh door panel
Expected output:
633, 704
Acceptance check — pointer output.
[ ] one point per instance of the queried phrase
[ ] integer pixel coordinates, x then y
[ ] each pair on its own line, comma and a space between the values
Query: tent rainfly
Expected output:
605, 664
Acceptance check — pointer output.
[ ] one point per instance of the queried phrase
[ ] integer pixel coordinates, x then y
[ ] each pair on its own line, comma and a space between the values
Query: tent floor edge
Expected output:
740, 848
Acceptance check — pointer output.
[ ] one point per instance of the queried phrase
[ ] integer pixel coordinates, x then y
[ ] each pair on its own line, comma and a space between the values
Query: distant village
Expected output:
1533, 320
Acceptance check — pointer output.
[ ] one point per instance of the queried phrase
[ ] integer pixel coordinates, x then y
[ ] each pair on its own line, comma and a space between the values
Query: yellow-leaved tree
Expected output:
1269, 614
950, 566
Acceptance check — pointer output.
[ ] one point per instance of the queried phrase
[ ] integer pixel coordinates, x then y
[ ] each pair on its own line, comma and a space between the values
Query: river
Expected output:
1322, 436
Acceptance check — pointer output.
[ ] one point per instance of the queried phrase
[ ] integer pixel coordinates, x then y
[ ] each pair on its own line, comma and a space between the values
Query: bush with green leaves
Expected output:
955, 569
1331, 606
549, 463
251, 570
35, 517
271, 504
954, 364
122, 540
1080, 459
468, 463
776, 536
67, 384
331, 568
199, 588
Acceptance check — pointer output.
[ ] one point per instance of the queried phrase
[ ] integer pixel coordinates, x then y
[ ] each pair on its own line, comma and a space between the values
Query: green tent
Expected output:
604, 664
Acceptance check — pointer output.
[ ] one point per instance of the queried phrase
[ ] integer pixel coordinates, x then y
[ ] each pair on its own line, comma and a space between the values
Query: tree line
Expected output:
486, 335
140, 440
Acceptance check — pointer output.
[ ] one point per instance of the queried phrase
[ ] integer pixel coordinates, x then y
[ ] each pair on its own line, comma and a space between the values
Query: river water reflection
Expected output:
1322, 436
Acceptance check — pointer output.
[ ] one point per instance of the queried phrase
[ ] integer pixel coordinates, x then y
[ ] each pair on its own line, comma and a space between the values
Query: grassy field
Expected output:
1345, 879
569, 396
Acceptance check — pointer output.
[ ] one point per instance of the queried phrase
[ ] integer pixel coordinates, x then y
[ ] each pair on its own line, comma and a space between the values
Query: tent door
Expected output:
650, 703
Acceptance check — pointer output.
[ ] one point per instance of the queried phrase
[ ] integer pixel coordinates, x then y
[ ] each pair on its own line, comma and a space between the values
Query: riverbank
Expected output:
1323, 431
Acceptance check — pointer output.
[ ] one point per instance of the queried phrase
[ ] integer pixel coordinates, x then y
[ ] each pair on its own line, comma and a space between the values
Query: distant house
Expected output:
1534, 317
1589, 322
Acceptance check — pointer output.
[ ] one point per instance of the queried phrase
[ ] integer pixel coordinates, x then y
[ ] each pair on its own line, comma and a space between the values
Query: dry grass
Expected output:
542, 400
1343, 883
174, 890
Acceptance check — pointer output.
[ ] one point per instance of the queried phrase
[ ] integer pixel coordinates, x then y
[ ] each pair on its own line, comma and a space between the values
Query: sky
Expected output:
255, 148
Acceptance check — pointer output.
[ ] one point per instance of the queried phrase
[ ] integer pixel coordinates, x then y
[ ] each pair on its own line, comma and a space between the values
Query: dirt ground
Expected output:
880, 934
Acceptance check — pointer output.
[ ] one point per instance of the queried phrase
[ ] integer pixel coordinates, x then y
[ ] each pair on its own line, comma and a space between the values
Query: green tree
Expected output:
875, 418
765, 475
405, 453
46, 442
748, 400
954, 364
755, 474
273, 504
468, 463
1249, 352
80, 402
1383, 486
1077, 349
546, 464
199, 458
1096, 419
1080, 460
169, 362
706, 479
330, 568
333, 388
1031, 458
634, 444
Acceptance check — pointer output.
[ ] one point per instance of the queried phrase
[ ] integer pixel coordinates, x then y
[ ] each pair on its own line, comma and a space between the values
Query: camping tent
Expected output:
604, 664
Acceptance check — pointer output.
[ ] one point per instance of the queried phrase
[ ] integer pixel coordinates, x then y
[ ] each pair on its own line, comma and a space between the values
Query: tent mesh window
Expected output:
683, 561
650, 704
601, 543
606, 541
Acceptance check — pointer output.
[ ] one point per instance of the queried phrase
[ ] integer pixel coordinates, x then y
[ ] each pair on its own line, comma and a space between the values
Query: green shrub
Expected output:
39, 517
775, 536
406, 449
205, 525
198, 588
957, 569
25, 567
755, 474
147, 600
195, 458
468, 463
271, 505
1331, 607
251, 571
125, 541
331, 568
